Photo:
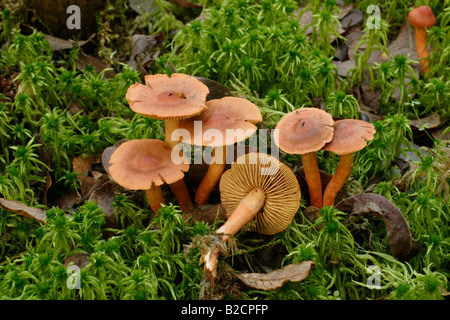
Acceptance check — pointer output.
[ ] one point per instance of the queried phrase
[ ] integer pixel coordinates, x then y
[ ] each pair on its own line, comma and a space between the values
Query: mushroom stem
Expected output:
212, 176
181, 193
339, 179
421, 48
179, 189
170, 125
155, 198
312, 176
243, 214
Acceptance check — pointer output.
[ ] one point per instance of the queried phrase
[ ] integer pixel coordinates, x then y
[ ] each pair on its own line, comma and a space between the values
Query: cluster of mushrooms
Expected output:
258, 187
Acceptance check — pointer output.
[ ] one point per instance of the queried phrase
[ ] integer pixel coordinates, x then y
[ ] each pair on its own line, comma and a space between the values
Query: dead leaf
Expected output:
142, 6
141, 49
80, 259
401, 240
24, 210
185, 3
104, 197
216, 90
84, 60
58, 44
343, 67
353, 18
269, 281
107, 153
432, 121
438, 133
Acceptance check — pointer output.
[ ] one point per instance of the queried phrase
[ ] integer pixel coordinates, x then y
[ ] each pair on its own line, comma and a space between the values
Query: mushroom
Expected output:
260, 188
145, 165
169, 99
226, 121
305, 131
350, 136
421, 18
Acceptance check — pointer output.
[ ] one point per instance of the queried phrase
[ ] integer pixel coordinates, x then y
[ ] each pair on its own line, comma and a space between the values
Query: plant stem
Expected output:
339, 179
212, 176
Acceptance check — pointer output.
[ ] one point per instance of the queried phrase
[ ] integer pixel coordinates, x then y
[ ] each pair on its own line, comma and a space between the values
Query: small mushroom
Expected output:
226, 121
258, 188
169, 99
305, 131
145, 165
421, 18
350, 136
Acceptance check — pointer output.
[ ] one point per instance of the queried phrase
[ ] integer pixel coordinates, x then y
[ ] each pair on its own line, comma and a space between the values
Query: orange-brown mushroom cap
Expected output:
350, 135
304, 130
140, 164
422, 17
177, 97
226, 121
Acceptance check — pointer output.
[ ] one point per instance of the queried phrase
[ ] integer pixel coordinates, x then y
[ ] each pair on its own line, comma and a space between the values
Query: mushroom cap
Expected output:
304, 130
140, 164
226, 121
279, 184
350, 135
178, 97
422, 17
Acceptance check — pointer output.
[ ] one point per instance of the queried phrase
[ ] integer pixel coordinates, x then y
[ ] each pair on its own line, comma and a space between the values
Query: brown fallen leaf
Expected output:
216, 90
104, 197
80, 259
268, 281
432, 121
401, 240
84, 60
438, 133
24, 210
186, 4
107, 153
58, 44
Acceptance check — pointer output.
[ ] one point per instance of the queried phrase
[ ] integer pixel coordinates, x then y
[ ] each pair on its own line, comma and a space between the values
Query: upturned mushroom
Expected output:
170, 99
421, 18
305, 131
350, 136
145, 165
227, 121
257, 188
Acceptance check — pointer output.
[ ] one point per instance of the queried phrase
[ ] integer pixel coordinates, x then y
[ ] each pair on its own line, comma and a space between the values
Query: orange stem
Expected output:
212, 176
170, 125
312, 176
155, 198
181, 193
179, 189
339, 179
243, 214
421, 48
